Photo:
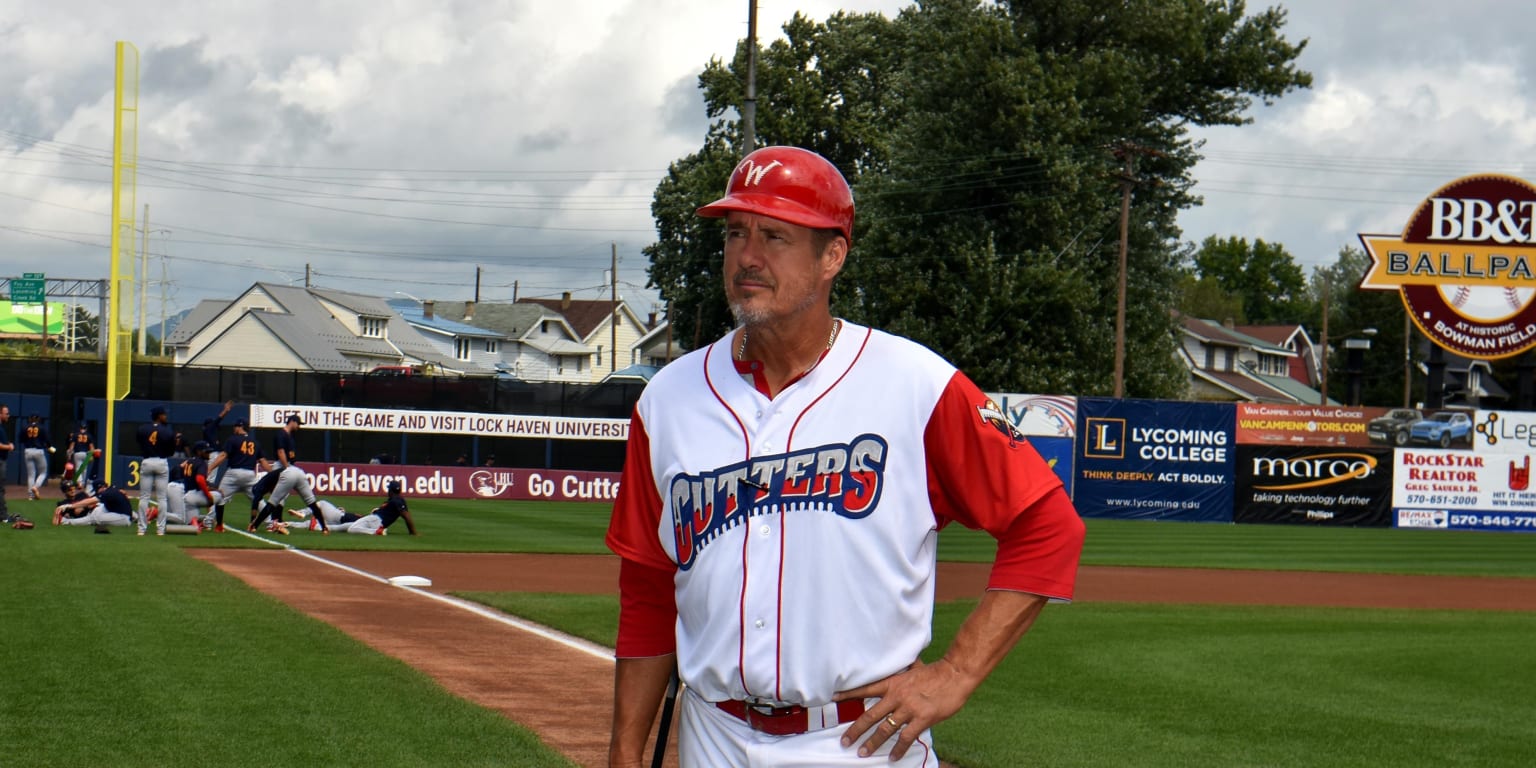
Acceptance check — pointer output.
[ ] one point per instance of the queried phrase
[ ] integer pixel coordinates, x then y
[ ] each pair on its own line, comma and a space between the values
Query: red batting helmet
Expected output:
789, 184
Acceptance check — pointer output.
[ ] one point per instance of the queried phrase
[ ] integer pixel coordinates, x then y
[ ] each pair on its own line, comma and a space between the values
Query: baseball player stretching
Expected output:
241, 458
82, 453
157, 441
376, 522
108, 506
290, 477
781, 499
188, 492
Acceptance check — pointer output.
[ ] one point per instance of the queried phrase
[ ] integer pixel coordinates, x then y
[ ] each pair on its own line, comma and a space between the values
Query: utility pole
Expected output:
1323, 366
306, 275
164, 281
143, 277
477, 284
613, 322
1127, 181
1407, 360
749, 108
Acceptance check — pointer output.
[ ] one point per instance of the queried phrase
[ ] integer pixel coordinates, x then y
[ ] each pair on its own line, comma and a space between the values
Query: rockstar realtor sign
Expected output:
1466, 266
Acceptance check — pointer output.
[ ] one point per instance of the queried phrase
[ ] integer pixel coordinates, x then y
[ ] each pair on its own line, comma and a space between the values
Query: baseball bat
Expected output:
668, 703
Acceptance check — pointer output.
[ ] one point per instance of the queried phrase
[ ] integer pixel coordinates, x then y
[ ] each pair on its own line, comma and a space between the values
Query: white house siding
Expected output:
253, 299
248, 344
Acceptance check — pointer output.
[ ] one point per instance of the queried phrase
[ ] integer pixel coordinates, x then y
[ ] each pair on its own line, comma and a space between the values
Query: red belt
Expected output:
788, 721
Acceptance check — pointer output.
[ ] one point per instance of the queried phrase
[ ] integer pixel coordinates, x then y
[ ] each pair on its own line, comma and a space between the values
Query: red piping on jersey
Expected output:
741, 598
778, 661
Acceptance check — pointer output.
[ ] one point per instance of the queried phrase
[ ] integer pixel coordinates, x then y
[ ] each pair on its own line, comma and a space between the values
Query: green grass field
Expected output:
120, 651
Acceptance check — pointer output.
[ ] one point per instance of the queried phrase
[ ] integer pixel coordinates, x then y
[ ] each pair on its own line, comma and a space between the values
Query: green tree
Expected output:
986, 143
1205, 298
1350, 312
1263, 276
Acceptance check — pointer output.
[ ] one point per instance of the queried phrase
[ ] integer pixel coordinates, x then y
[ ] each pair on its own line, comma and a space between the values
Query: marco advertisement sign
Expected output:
1313, 486
1154, 459
1465, 266
1463, 490
1048, 422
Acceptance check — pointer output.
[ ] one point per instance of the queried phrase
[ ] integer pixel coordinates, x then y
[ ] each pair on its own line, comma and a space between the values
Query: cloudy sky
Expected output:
397, 147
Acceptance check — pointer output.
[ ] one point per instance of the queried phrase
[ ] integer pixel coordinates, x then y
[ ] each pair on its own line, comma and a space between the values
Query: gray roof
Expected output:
297, 334
315, 320
200, 316
412, 311
513, 320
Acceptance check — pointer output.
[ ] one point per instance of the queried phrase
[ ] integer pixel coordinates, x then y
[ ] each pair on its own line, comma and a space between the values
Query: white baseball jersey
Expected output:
803, 529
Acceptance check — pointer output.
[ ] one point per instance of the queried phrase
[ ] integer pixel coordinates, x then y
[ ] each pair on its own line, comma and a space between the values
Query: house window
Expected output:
1226, 359
597, 362
248, 387
492, 346
461, 348
1210, 358
373, 327
544, 326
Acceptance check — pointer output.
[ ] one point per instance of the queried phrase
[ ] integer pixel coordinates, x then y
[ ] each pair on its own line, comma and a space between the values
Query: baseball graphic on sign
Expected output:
1487, 302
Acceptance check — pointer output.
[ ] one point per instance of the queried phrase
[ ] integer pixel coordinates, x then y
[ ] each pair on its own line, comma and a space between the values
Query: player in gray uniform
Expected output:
375, 522
35, 448
292, 479
157, 441
109, 506
241, 458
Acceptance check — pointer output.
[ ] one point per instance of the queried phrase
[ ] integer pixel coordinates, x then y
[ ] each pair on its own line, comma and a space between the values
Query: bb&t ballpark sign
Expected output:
1465, 266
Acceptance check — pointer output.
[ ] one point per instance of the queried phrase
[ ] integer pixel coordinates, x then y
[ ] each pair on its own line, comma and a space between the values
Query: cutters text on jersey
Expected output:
842, 479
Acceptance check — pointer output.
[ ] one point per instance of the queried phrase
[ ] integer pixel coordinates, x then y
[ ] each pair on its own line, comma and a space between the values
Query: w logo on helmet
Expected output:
754, 173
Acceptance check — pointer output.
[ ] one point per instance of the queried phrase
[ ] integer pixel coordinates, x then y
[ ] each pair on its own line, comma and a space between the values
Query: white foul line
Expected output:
574, 643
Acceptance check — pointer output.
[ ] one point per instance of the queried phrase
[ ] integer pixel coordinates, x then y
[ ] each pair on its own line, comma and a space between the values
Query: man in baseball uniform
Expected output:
376, 522
157, 441
778, 515
290, 477
241, 458
35, 447
211, 437
6, 446
108, 506
82, 453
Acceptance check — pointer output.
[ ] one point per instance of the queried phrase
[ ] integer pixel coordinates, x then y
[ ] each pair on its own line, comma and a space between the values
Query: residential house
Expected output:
1305, 366
1226, 364
610, 328
280, 327
540, 345
468, 344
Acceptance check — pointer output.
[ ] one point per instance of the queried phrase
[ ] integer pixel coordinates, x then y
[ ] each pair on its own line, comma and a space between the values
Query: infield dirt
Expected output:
564, 694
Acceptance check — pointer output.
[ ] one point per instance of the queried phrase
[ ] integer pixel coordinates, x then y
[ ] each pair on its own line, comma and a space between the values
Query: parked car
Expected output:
1442, 428
1394, 427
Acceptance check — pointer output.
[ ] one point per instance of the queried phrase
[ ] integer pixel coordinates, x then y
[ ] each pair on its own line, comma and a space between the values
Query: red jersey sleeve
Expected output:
983, 474
647, 596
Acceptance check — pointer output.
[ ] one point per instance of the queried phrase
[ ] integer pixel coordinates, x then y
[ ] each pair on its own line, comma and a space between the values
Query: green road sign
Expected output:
28, 290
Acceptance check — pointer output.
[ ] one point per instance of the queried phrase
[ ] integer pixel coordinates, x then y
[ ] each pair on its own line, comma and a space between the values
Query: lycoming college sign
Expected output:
1466, 266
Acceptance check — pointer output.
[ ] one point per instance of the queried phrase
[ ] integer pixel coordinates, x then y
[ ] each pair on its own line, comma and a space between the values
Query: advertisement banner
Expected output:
1155, 459
1504, 431
1463, 490
27, 319
1043, 415
441, 422
1314, 486
426, 482
1057, 452
1305, 425
429, 482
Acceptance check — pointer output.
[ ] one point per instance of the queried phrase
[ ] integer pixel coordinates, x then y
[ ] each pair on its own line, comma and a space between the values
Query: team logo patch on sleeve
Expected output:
993, 415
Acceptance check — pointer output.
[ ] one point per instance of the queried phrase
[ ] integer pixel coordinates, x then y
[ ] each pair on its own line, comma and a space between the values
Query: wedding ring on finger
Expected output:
892, 723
